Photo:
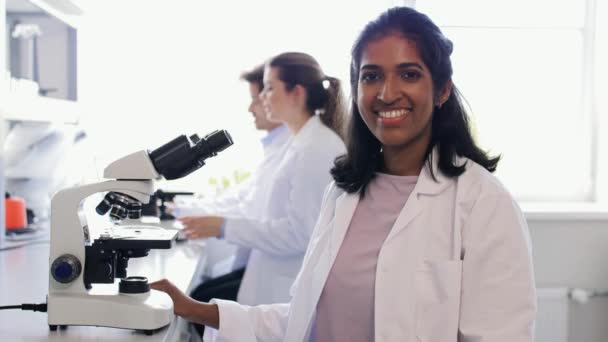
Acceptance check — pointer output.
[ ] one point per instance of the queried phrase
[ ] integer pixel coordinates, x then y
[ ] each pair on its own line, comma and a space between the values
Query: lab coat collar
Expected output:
308, 132
273, 135
347, 203
426, 184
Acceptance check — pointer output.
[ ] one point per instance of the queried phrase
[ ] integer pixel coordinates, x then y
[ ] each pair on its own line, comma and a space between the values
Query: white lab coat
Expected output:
291, 205
247, 201
456, 266
243, 201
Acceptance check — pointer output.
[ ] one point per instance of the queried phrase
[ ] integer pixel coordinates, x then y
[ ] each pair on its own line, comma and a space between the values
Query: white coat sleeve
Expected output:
288, 235
235, 203
242, 323
498, 291
229, 204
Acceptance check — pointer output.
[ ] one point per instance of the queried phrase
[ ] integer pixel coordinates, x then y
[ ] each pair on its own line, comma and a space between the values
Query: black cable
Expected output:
10, 307
30, 307
15, 244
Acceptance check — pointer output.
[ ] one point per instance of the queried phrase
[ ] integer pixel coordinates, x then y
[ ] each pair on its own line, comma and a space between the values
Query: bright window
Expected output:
151, 70
524, 67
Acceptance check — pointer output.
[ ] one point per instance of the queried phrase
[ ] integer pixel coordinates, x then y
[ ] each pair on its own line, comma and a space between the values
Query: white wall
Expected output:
574, 253
600, 96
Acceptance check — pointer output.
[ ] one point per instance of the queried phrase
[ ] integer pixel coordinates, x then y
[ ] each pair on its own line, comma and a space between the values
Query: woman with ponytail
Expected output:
297, 93
307, 90
416, 240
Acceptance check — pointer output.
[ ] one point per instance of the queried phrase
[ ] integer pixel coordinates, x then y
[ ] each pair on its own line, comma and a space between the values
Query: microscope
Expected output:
78, 262
156, 214
157, 207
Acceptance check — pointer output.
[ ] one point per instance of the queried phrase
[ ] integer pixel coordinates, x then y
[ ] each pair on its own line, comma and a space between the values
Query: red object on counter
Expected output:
15, 213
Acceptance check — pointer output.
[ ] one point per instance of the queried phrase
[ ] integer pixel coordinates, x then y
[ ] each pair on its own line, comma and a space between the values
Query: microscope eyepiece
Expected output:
218, 141
183, 155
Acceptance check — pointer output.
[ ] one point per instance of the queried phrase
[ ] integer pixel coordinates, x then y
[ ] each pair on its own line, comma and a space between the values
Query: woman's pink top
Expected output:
345, 311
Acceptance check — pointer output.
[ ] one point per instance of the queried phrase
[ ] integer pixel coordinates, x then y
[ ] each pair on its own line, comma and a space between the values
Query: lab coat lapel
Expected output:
412, 208
345, 209
322, 260
425, 188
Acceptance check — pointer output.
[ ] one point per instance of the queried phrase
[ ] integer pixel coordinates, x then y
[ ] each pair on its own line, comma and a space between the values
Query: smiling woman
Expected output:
395, 96
404, 106
435, 250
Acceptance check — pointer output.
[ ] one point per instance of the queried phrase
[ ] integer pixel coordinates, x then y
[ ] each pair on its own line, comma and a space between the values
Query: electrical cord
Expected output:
15, 245
29, 307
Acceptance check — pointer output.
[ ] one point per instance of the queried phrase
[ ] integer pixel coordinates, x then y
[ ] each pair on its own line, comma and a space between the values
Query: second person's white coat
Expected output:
289, 209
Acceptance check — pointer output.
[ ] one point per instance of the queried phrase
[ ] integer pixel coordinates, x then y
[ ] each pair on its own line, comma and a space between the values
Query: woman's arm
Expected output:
241, 323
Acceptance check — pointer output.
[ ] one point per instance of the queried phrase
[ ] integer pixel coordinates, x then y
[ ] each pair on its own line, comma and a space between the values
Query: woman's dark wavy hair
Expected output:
450, 123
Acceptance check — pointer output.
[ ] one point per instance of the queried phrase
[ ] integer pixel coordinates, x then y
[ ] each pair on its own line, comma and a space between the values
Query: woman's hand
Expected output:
188, 308
182, 304
200, 227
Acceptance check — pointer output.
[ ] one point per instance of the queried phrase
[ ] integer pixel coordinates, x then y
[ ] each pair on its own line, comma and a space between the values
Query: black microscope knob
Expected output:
66, 268
194, 138
134, 285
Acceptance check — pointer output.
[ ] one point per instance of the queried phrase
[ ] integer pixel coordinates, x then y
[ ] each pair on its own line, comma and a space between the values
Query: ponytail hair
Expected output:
324, 94
332, 112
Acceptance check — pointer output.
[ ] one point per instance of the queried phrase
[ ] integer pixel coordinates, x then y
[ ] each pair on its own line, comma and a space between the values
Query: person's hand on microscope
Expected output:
188, 308
201, 227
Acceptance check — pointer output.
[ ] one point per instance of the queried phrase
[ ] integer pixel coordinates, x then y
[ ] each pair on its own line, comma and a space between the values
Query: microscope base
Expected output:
149, 311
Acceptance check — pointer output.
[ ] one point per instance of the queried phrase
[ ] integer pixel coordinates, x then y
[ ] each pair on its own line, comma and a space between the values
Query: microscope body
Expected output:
77, 262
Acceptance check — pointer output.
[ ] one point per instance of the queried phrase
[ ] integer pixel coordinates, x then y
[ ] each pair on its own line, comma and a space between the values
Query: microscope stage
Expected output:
139, 237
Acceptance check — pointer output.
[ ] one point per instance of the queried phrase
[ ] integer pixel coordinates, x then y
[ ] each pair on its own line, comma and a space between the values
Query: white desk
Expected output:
24, 279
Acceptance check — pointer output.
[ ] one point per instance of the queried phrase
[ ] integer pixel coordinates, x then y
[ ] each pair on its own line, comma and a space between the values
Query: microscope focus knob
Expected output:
66, 268
134, 285
195, 139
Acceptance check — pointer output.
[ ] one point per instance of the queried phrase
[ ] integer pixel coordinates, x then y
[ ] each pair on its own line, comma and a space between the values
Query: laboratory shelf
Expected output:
39, 108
